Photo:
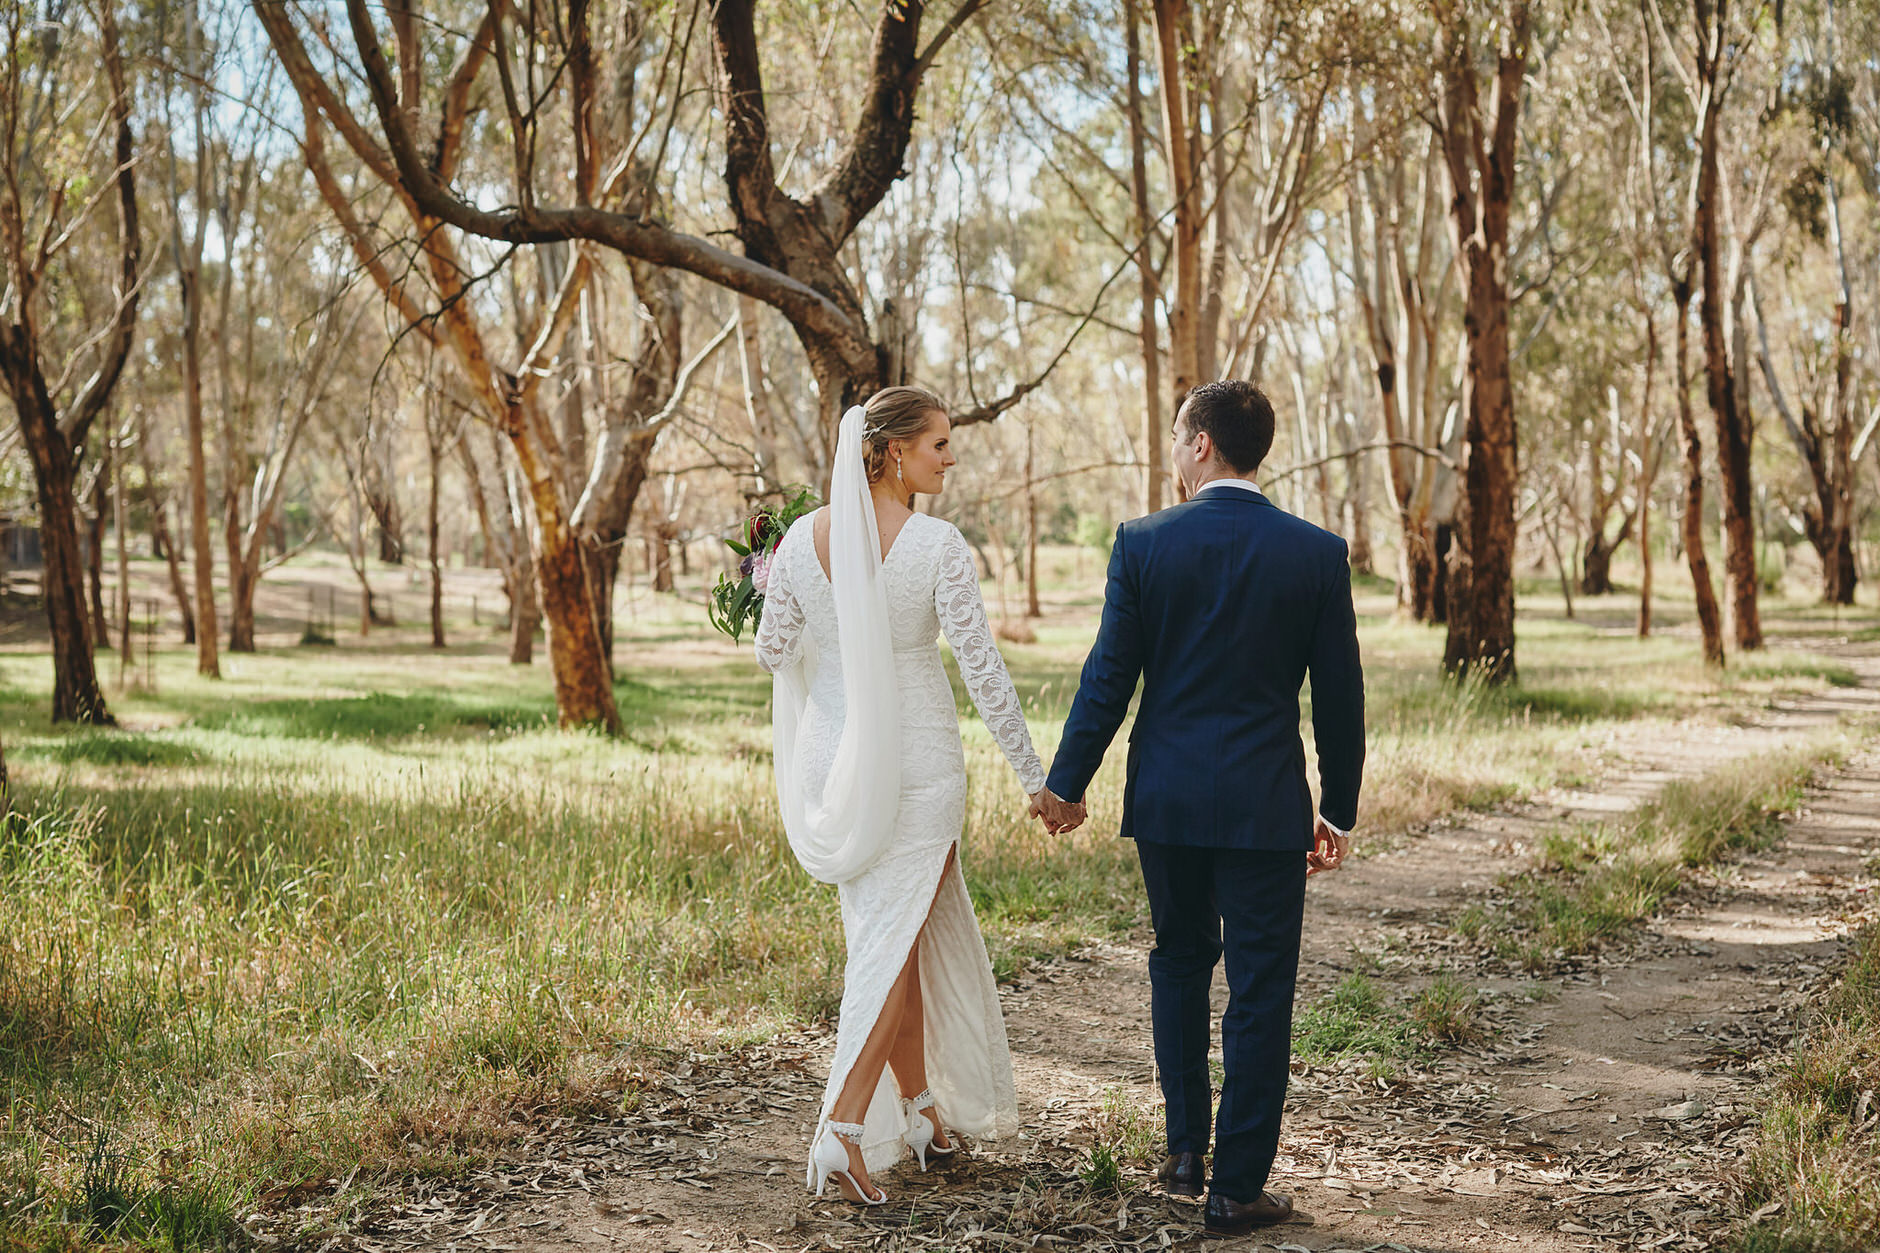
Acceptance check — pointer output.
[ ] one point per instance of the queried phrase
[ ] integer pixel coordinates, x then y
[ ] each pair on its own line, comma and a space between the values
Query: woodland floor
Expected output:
1607, 1108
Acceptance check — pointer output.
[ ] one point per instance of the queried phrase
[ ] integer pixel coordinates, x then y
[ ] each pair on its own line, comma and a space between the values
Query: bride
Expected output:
871, 779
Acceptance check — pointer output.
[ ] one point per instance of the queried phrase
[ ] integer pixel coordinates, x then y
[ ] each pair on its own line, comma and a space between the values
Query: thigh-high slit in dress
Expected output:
932, 587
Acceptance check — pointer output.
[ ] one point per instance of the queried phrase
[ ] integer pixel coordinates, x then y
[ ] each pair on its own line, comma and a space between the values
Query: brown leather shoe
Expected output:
1225, 1217
1183, 1174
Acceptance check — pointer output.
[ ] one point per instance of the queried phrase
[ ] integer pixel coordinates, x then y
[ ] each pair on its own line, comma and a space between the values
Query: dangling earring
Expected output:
897, 473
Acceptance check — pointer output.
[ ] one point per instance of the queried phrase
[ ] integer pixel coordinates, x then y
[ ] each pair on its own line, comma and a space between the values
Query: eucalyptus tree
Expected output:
1647, 77
1829, 100
1718, 47
436, 298
72, 280
1478, 138
1403, 280
189, 72
792, 244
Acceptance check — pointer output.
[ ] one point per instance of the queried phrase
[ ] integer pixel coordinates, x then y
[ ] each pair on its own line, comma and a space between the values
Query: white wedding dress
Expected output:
931, 586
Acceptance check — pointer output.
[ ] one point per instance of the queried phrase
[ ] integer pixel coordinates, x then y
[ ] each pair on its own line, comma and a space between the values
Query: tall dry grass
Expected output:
360, 914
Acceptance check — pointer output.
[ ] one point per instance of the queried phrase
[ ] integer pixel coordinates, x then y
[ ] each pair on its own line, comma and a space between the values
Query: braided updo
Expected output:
894, 413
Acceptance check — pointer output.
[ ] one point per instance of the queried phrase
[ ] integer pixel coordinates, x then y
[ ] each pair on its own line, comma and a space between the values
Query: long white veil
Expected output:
841, 833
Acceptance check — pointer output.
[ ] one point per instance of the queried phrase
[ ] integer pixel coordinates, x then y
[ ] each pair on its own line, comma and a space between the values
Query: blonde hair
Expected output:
894, 413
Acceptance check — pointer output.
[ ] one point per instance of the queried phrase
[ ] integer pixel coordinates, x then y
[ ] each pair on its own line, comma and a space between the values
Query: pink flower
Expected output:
760, 572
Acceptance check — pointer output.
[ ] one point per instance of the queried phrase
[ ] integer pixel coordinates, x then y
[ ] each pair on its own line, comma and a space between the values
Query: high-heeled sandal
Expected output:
919, 1133
830, 1158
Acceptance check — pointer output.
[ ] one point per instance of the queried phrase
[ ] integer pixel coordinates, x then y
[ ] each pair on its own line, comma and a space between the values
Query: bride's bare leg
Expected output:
865, 1075
890, 1037
908, 1058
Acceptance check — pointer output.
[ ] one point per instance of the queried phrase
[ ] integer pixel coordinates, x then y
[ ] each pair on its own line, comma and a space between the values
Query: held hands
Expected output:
1059, 815
1328, 848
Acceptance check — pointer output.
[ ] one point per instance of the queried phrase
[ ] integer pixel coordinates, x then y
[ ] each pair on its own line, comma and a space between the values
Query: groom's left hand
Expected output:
1329, 847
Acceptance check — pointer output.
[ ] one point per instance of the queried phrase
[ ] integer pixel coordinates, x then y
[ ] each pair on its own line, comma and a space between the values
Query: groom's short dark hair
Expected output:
1239, 419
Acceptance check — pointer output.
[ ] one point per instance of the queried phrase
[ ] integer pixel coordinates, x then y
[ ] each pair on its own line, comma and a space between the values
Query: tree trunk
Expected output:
525, 613
1032, 609
1596, 563
1709, 620
243, 575
1174, 47
120, 523
207, 662
1645, 562
187, 256
160, 527
504, 525
1836, 546
76, 695
94, 555
1356, 503
1841, 578
53, 441
1424, 571
242, 585
384, 505
584, 691
606, 533
1154, 434
1481, 621
431, 539
763, 426
1838, 568
660, 536
1649, 445
1720, 385
1393, 309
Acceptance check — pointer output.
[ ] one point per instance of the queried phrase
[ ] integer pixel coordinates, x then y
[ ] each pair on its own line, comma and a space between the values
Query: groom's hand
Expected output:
1329, 847
1059, 815
1069, 816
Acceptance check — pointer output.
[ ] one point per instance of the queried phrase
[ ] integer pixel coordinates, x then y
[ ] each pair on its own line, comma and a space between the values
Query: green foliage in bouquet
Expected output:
738, 603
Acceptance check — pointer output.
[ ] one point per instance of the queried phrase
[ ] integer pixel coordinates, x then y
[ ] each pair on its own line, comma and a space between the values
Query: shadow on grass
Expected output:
110, 748
376, 716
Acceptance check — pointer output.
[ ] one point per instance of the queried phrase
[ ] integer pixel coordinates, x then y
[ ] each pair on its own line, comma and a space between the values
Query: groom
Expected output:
1223, 606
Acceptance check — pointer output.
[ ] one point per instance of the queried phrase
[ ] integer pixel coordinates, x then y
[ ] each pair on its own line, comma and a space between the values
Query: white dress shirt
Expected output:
1245, 485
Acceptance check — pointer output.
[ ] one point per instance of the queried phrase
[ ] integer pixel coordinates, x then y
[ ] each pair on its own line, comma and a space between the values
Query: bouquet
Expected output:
737, 603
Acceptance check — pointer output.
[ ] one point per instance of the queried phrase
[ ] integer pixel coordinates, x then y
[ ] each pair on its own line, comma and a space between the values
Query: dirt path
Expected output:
1607, 1110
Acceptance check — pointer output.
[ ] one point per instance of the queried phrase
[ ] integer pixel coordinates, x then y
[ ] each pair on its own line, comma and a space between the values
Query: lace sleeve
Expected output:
963, 618
780, 630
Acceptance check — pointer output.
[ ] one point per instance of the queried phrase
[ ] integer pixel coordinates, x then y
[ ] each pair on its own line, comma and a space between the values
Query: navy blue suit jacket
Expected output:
1223, 606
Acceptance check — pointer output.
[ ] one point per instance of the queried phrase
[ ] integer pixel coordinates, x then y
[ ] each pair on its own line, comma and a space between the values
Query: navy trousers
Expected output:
1246, 905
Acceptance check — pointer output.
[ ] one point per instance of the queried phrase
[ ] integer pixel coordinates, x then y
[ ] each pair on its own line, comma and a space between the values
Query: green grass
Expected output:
1817, 1155
1593, 884
360, 913
1356, 1020
375, 716
1126, 1137
111, 748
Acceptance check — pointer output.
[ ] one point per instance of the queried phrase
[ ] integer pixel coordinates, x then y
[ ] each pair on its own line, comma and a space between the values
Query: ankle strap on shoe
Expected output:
850, 1131
923, 1101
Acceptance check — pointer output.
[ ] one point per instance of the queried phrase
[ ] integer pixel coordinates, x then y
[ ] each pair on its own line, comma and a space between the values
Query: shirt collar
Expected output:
1244, 485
